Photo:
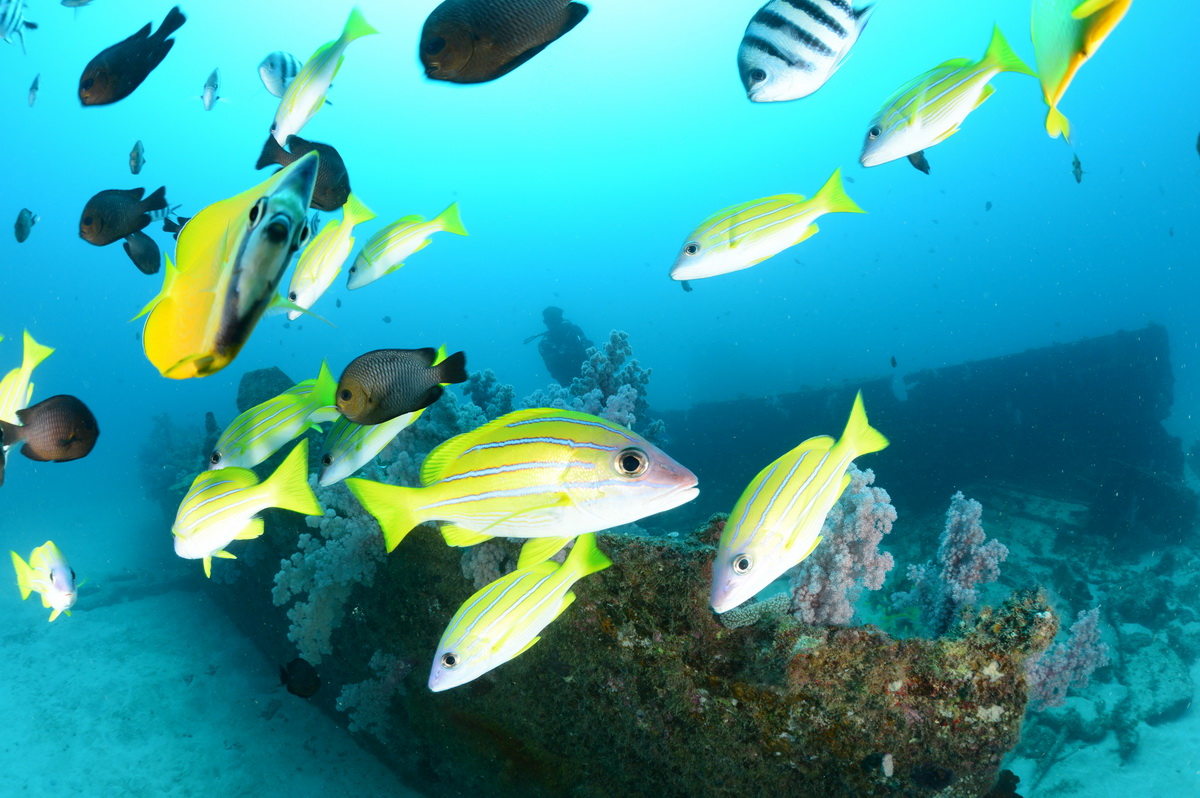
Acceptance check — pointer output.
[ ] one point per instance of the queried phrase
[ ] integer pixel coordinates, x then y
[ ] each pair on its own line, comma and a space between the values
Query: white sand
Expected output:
160, 697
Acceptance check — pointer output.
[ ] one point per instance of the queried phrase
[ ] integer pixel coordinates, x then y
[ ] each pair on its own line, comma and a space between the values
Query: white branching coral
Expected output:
368, 702
344, 550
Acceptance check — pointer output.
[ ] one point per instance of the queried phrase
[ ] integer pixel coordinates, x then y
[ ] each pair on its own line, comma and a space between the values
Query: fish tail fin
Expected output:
355, 212
1001, 56
156, 201
859, 434
325, 387
585, 557
169, 275
356, 26
391, 505
452, 369
173, 22
288, 486
272, 153
34, 353
1056, 123
833, 197
24, 574
450, 221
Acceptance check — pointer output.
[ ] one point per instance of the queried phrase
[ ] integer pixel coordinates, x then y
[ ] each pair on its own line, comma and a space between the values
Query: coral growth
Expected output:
368, 702
1069, 664
825, 586
966, 559
490, 395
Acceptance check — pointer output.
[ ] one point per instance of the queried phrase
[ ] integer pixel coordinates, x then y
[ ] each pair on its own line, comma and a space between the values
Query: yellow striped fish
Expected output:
1066, 33
777, 521
930, 107
50, 575
222, 506
322, 259
266, 428
229, 261
537, 473
387, 249
349, 446
16, 389
306, 94
744, 235
504, 619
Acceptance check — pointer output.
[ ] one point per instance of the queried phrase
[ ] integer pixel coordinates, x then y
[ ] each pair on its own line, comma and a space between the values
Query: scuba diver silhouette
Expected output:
563, 346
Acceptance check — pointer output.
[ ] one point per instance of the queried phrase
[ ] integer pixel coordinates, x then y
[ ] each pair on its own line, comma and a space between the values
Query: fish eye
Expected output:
353, 269
742, 564
875, 132
632, 462
257, 212
327, 460
214, 458
87, 221
758, 75
87, 84
345, 394
292, 295
72, 574
449, 661
435, 45
691, 249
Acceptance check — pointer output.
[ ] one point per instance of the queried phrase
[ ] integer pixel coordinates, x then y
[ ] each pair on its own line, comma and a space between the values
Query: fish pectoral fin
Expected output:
561, 502
224, 555
395, 268
458, 536
567, 601
55, 614
538, 550
526, 647
947, 134
988, 91
251, 531
807, 232
281, 304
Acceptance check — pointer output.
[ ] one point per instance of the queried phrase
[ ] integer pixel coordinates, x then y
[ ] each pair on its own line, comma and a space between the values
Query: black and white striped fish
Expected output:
792, 47
13, 22
278, 70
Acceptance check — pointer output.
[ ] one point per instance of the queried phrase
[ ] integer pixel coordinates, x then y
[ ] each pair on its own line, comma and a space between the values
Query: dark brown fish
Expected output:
918, 160
474, 41
300, 678
1077, 169
59, 429
114, 214
117, 71
386, 383
173, 226
26, 219
333, 182
144, 253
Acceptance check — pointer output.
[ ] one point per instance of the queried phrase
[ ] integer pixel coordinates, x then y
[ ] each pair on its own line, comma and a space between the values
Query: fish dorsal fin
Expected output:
539, 550
458, 536
438, 462
575, 14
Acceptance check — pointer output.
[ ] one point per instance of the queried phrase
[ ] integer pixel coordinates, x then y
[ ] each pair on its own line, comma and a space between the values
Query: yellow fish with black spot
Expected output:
229, 261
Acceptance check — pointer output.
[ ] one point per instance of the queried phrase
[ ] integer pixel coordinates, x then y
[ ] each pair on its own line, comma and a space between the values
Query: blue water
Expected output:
578, 177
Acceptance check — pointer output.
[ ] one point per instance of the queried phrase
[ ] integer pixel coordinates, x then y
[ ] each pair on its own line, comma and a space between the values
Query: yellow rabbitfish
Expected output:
223, 505
305, 95
537, 473
777, 521
16, 389
266, 428
49, 574
1066, 33
929, 108
228, 264
322, 259
743, 235
505, 618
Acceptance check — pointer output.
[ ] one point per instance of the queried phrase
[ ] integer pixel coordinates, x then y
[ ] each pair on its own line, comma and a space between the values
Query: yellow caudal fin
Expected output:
1000, 55
391, 505
288, 487
1056, 123
34, 353
324, 388
355, 212
356, 27
833, 198
24, 574
169, 275
859, 435
585, 558
450, 221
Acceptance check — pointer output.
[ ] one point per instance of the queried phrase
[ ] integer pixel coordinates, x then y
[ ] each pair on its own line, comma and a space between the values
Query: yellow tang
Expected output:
228, 264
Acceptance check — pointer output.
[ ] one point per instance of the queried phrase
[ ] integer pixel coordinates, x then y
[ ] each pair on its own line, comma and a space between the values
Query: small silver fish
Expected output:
278, 70
33, 89
13, 23
211, 86
24, 224
137, 157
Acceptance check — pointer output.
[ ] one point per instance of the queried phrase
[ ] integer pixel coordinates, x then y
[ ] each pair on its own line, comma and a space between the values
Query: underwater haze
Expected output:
578, 176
